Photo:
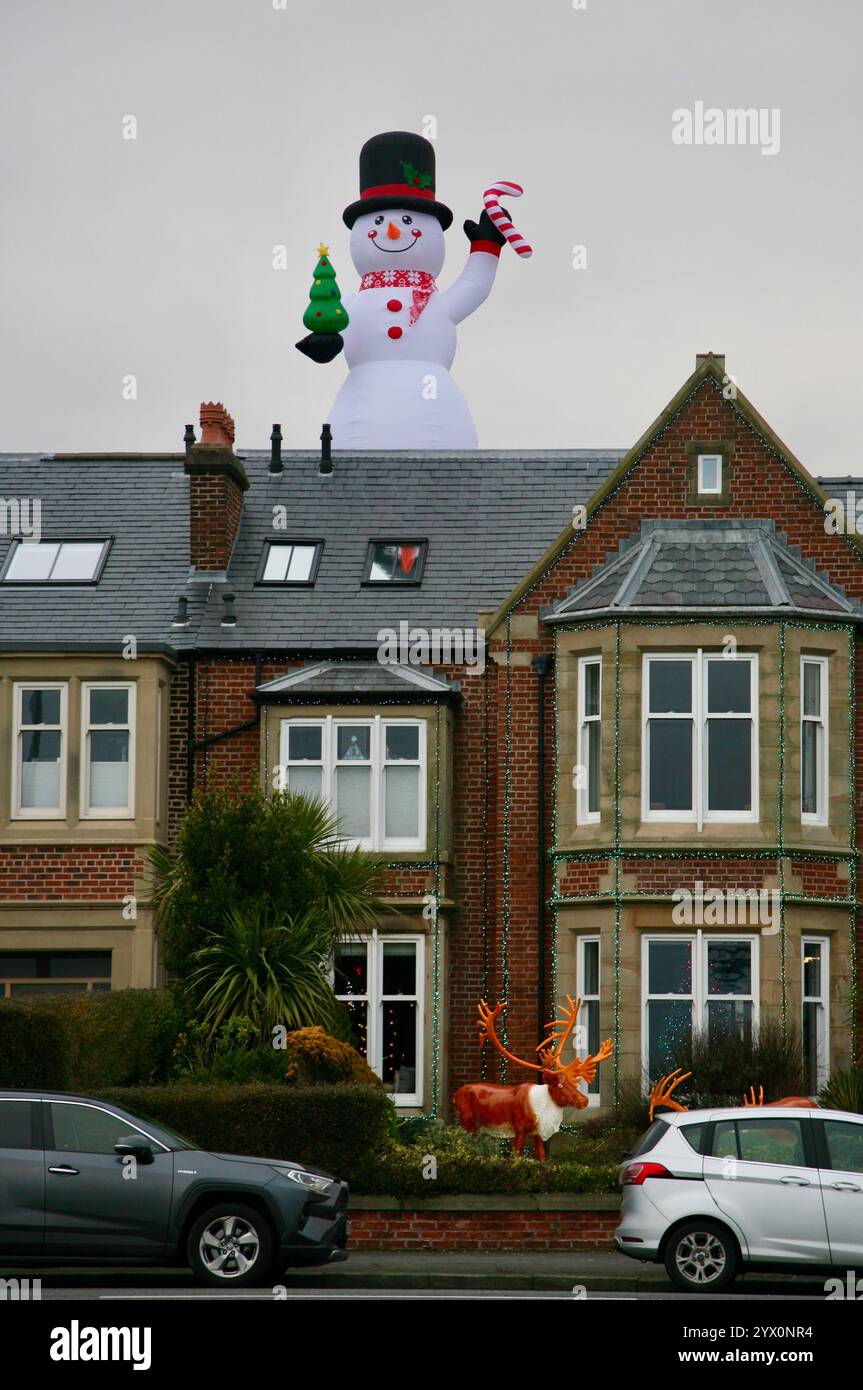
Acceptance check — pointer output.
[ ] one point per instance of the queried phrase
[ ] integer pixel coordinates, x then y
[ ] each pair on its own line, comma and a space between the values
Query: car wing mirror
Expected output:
134, 1146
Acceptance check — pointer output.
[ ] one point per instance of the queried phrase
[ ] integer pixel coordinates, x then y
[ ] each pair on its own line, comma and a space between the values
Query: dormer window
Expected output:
710, 474
289, 562
395, 562
55, 562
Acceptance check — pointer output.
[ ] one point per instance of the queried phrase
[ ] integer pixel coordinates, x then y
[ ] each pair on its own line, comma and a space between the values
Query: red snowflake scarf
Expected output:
418, 281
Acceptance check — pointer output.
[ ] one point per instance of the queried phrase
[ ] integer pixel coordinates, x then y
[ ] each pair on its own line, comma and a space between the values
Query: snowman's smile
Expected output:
395, 250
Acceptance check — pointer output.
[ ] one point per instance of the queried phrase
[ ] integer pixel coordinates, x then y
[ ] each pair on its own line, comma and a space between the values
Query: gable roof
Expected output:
352, 680
699, 566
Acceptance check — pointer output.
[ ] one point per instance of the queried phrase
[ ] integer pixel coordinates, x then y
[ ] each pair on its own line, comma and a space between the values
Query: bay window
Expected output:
589, 737
701, 983
379, 979
39, 753
107, 751
700, 737
813, 739
371, 772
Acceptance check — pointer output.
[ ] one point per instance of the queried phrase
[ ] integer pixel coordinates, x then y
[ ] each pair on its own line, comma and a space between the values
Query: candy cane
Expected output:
491, 201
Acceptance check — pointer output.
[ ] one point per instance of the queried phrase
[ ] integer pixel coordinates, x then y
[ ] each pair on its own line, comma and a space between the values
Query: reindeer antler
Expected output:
486, 1022
587, 1065
551, 1049
660, 1094
750, 1099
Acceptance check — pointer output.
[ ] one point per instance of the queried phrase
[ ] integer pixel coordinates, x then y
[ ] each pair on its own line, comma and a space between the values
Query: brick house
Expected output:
641, 789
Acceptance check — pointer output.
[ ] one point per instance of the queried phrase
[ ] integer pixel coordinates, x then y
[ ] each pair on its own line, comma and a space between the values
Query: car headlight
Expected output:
313, 1182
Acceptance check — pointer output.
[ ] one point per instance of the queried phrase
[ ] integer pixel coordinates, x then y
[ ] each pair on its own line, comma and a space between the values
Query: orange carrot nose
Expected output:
393, 232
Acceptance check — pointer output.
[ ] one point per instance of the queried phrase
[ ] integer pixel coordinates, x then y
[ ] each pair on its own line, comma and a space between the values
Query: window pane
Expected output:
810, 734
845, 1145
399, 1047
300, 568
811, 688
729, 967
589, 1020
669, 1023
670, 967
729, 1018
109, 706
84, 1129
32, 560
729, 771
725, 1139
590, 968
402, 802
305, 781
771, 1141
402, 742
670, 764
40, 770
670, 687
812, 969
304, 743
591, 689
353, 785
729, 686
709, 468
40, 706
77, 560
400, 967
351, 968
109, 768
358, 1013
813, 1015
16, 1125
12, 964
77, 964
395, 563
354, 743
592, 732
276, 567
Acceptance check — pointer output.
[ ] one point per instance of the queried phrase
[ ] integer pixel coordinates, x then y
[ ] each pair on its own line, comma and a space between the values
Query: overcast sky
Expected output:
154, 257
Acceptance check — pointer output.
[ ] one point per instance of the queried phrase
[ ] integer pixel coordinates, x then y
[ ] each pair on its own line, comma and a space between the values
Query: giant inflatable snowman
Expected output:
401, 336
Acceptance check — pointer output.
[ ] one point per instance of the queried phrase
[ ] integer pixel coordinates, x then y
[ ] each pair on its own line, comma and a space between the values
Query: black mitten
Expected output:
321, 347
485, 230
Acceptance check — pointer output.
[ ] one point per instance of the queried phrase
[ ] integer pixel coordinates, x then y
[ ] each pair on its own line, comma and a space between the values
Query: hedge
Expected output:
75, 1042
342, 1129
399, 1172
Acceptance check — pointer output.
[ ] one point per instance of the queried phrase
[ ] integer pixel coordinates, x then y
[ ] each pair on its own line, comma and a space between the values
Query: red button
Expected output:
394, 305
394, 332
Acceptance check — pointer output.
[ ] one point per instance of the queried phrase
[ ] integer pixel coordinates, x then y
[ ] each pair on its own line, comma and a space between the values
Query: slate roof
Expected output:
334, 680
488, 517
700, 565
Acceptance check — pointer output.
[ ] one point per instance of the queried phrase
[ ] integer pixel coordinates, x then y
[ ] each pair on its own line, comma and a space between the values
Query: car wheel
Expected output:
701, 1257
232, 1245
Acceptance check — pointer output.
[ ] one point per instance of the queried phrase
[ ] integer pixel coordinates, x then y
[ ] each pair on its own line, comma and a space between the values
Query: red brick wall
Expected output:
482, 1230
97, 873
216, 505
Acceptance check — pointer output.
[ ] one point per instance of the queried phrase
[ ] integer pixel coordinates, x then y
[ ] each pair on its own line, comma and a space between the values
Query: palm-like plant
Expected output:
267, 970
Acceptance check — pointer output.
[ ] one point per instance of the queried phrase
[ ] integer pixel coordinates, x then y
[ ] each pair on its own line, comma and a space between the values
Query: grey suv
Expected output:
84, 1181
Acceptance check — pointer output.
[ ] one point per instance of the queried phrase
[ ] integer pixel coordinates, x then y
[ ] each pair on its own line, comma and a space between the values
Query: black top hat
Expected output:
397, 169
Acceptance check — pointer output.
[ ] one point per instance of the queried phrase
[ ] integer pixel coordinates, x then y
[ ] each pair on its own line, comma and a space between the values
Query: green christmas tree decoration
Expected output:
325, 313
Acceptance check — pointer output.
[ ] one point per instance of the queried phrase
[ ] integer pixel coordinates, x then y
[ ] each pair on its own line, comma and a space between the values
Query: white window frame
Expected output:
20, 812
823, 1000
374, 943
819, 817
584, 815
698, 941
698, 717
581, 992
126, 812
377, 724
702, 487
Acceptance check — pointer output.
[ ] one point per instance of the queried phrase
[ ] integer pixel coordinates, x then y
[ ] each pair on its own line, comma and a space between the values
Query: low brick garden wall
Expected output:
539, 1221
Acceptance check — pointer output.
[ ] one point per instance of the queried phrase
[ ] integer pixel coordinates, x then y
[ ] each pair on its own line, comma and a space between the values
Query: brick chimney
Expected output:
218, 481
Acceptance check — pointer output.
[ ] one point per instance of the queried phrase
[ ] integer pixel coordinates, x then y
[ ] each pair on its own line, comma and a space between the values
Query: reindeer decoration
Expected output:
532, 1110
661, 1095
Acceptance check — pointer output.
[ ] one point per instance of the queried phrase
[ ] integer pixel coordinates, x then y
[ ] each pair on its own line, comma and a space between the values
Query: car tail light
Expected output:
635, 1173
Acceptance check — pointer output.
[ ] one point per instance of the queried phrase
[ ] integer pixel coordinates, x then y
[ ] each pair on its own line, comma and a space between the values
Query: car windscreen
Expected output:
649, 1138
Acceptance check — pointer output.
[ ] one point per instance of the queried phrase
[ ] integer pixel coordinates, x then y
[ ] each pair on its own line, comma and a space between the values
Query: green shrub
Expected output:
399, 1172
341, 1129
312, 1058
75, 1042
844, 1091
724, 1065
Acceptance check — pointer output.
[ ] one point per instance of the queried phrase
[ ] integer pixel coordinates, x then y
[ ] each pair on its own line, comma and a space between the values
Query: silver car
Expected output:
711, 1193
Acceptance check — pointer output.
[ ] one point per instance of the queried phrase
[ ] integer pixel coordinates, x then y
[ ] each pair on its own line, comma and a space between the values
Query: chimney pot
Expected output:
326, 464
217, 483
276, 450
181, 617
217, 426
189, 437
229, 617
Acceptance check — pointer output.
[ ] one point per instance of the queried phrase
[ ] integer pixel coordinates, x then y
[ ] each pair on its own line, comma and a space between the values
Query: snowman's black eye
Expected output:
378, 221
407, 220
